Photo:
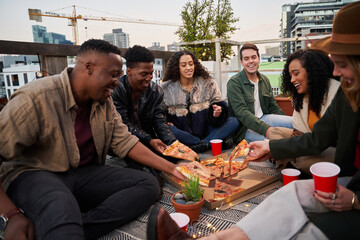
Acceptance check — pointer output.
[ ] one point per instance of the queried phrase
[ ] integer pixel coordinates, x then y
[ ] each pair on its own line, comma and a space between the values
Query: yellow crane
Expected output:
37, 14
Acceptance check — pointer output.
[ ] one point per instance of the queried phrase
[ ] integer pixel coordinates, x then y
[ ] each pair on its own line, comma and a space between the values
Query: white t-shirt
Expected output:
257, 107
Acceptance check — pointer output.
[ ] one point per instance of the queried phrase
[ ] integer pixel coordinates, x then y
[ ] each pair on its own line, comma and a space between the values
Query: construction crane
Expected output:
37, 14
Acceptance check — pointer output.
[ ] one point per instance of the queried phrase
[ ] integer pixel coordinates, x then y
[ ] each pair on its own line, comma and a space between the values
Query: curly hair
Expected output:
319, 68
172, 70
138, 54
99, 46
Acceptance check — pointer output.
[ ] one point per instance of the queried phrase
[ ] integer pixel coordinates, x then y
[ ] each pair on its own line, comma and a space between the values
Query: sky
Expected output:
258, 19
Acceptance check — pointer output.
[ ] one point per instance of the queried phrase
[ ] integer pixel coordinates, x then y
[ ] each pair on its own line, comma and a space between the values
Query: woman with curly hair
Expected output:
307, 77
196, 112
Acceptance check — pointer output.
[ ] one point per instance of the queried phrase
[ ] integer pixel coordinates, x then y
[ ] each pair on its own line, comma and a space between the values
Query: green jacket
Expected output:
240, 93
338, 127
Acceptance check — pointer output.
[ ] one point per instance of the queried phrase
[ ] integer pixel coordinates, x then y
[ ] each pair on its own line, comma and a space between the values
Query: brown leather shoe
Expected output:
161, 226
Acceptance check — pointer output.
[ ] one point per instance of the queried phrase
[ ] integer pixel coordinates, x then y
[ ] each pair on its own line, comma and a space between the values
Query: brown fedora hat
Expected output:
345, 37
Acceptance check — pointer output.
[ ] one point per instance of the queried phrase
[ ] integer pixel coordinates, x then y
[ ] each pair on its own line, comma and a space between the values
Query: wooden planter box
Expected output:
285, 105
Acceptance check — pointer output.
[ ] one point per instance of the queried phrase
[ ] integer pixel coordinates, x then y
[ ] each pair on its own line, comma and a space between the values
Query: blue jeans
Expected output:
273, 120
86, 202
228, 127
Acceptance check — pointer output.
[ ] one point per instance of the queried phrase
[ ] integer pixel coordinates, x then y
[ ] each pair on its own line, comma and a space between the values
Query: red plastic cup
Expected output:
289, 175
325, 176
216, 146
181, 219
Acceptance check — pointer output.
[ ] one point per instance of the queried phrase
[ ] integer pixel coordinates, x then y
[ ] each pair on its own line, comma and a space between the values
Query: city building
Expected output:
173, 47
7, 62
285, 28
41, 35
118, 38
156, 47
158, 70
18, 75
307, 19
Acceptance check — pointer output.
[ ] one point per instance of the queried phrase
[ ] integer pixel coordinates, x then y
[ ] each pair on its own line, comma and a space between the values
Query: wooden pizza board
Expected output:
250, 180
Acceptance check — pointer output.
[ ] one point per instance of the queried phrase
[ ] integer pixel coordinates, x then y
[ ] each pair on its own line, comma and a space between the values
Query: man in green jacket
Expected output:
251, 99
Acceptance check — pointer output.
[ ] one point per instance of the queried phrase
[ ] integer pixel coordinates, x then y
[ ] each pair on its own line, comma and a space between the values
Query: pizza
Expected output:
241, 150
235, 168
224, 190
181, 151
218, 166
195, 168
215, 166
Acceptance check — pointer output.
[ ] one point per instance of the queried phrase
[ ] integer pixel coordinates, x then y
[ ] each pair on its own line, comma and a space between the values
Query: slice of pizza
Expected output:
181, 151
241, 150
215, 166
224, 190
235, 168
194, 168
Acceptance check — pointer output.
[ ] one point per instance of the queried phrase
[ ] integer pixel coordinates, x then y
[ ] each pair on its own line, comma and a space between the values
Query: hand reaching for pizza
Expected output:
158, 145
260, 151
178, 174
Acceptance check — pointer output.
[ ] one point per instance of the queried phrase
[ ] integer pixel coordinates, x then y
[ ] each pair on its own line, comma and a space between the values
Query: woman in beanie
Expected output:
297, 210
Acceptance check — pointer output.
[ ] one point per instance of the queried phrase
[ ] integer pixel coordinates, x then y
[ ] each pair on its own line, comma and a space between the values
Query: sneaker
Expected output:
200, 147
227, 143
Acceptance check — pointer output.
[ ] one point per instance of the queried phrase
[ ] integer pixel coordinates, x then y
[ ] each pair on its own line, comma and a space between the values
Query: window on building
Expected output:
276, 91
9, 93
8, 80
15, 80
25, 78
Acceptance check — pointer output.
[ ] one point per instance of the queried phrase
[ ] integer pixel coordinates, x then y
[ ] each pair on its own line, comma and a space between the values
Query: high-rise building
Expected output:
41, 35
118, 38
307, 19
285, 29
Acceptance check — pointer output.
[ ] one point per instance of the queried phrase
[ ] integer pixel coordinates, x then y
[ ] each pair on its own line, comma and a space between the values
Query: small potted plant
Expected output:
190, 200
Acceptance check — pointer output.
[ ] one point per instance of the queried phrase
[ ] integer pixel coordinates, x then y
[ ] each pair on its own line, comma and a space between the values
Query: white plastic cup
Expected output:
181, 219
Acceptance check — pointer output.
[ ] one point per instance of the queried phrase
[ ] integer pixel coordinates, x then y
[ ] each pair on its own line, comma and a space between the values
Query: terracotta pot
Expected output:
285, 105
192, 210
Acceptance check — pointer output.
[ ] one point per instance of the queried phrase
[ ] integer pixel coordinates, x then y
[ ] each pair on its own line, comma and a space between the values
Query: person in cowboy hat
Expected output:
297, 210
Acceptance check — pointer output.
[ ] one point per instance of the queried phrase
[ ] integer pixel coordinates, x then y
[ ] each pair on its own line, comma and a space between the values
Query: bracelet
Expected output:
353, 201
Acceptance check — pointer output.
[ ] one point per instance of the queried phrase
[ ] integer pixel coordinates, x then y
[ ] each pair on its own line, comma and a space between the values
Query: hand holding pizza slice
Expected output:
196, 168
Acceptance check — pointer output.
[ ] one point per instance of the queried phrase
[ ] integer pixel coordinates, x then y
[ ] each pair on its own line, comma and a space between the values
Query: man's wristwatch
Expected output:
4, 218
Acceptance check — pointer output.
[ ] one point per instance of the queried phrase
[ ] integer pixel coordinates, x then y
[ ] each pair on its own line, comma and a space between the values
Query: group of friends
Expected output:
57, 131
